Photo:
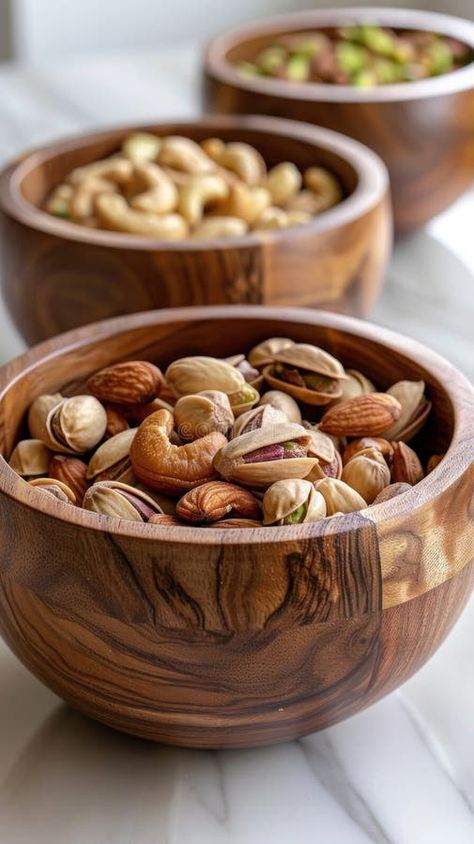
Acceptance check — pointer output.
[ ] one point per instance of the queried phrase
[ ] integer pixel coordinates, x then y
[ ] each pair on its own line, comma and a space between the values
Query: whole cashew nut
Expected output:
115, 214
184, 154
271, 218
82, 203
141, 146
245, 161
324, 185
220, 227
305, 201
60, 200
116, 169
172, 468
283, 181
245, 202
197, 193
161, 195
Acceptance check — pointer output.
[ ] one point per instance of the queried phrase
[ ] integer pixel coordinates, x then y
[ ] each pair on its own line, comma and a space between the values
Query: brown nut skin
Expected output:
130, 382
391, 491
165, 519
434, 461
406, 466
238, 524
72, 472
215, 500
361, 444
367, 415
171, 468
116, 422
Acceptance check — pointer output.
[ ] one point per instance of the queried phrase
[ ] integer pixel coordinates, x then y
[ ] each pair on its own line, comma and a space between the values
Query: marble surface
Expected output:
401, 772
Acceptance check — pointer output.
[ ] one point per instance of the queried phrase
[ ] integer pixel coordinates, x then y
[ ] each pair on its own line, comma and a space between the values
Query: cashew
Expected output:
59, 201
298, 218
213, 147
283, 181
244, 160
246, 203
82, 204
141, 146
220, 227
115, 168
162, 194
305, 201
197, 193
324, 185
184, 154
271, 218
114, 213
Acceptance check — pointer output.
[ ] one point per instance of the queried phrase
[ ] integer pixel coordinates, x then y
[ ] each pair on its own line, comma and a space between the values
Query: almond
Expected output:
406, 467
368, 415
130, 382
70, 471
116, 422
214, 500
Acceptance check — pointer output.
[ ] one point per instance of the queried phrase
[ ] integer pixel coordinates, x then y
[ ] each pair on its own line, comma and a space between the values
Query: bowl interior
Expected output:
47, 168
162, 339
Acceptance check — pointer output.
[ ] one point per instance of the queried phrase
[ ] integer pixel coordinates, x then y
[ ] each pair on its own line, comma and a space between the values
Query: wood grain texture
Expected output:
423, 131
57, 275
210, 638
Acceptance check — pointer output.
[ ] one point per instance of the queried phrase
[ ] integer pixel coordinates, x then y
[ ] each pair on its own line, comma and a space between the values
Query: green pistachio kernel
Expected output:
377, 39
298, 68
365, 78
351, 57
271, 59
296, 517
248, 69
440, 58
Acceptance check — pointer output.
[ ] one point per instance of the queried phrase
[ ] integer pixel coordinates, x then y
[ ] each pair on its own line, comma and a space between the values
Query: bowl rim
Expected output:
216, 64
457, 460
372, 185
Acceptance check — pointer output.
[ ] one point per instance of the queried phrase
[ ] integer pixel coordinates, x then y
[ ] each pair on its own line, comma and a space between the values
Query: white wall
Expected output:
48, 28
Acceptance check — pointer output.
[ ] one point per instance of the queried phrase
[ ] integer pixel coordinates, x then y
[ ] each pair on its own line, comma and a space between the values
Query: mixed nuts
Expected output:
283, 436
172, 188
364, 55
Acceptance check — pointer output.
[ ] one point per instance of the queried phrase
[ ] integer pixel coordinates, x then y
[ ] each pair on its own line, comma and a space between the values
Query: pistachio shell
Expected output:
368, 474
200, 414
282, 401
112, 454
111, 498
256, 418
410, 395
60, 490
77, 424
286, 497
243, 399
30, 457
339, 496
311, 358
195, 374
391, 491
38, 414
321, 445
303, 394
356, 385
264, 353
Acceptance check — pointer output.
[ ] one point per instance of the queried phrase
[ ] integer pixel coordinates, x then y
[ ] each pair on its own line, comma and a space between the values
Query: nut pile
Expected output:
173, 188
281, 437
365, 55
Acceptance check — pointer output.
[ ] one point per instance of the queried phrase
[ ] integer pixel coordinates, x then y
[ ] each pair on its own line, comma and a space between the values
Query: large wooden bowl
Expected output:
56, 275
225, 638
424, 131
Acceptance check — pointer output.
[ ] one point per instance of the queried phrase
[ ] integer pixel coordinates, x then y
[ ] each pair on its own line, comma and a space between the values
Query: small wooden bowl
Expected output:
57, 275
424, 131
227, 638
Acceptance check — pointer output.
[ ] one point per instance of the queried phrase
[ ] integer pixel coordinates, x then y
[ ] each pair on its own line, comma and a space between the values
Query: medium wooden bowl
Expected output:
424, 131
56, 275
228, 638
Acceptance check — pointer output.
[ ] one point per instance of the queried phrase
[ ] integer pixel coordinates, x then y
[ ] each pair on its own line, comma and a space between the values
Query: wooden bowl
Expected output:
424, 131
228, 638
56, 275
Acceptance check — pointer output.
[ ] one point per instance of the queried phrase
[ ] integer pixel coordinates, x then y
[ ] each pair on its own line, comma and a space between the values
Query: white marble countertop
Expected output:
402, 772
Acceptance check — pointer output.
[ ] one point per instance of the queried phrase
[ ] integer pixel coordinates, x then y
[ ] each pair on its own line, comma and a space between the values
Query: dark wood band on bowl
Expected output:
56, 275
424, 131
212, 638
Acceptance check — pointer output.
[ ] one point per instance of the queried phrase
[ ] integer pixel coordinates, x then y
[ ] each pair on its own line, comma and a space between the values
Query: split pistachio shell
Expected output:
77, 424
415, 409
111, 498
368, 474
30, 458
316, 376
111, 460
256, 418
200, 414
191, 375
311, 358
264, 353
339, 496
327, 389
292, 502
321, 446
259, 458
38, 414
355, 385
282, 401
58, 489
243, 399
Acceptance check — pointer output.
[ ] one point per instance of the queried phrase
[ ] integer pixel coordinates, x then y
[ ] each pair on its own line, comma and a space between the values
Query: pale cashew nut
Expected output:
271, 218
115, 214
305, 201
82, 203
298, 218
220, 227
161, 195
213, 147
245, 202
283, 181
60, 200
197, 193
324, 185
184, 154
245, 161
141, 146
170, 468
115, 168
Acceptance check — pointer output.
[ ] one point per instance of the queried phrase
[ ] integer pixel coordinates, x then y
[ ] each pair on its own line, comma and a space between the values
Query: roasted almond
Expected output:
72, 472
368, 415
130, 382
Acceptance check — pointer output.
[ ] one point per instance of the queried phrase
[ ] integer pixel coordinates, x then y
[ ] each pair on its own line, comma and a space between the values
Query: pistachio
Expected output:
111, 498
77, 424
282, 401
406, 466
38, 414
290, 502
362, 444
356, 385
391, 491
200, 414
58, 489
367, 473
414, 410
259, 458
250, 373
306, 372
70, 471
215, 500
256, 418
339, 496
243, 399
30, 458
190, 375
264, 353
111, 461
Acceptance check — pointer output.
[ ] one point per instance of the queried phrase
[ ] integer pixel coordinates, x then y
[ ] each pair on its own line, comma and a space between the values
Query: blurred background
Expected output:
33, 30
